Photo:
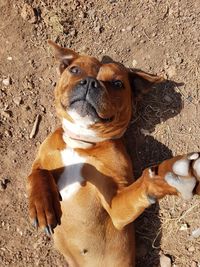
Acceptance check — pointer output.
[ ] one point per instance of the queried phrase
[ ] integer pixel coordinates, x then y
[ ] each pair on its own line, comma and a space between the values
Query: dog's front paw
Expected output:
44, 201
184, 174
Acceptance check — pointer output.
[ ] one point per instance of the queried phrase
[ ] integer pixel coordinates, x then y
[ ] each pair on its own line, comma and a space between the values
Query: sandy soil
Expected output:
159, 37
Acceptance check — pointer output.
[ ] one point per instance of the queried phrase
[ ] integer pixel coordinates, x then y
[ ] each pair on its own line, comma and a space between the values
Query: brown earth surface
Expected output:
157, 36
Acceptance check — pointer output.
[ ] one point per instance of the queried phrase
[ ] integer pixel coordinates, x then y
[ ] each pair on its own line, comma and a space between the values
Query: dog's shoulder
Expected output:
48, 156
54, 141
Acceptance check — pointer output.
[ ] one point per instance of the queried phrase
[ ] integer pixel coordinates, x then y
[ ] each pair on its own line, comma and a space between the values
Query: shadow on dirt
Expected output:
162, 103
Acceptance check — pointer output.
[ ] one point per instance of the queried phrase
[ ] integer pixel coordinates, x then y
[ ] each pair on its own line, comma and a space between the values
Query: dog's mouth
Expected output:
85, 108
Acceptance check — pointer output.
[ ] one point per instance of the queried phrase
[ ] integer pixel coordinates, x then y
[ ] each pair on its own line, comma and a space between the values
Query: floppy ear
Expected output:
141, 82
63, 55
106, 60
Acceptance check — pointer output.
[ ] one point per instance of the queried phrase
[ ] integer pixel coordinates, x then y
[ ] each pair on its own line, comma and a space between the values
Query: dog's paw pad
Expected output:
196, 168
181, 167
185, 174
184, 186
193, 156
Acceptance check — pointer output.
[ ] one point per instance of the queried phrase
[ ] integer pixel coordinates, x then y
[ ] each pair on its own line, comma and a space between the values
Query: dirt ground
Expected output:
157, 36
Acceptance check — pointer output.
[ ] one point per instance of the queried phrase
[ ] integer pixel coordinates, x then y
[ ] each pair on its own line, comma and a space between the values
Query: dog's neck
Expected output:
77, 136
75, 141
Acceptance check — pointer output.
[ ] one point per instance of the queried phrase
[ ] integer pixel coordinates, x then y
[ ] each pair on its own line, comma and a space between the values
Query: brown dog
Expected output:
87, 163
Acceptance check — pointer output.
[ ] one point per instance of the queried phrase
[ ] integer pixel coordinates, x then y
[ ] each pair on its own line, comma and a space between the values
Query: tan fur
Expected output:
96, 223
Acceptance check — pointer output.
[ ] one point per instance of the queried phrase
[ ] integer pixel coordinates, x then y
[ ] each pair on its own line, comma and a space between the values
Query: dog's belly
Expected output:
87, 237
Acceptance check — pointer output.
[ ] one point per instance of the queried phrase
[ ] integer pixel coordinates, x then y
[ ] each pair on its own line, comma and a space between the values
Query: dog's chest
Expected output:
70, 179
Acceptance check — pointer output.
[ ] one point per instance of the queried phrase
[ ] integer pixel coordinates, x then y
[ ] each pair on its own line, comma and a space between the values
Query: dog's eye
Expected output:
75, 70
117, 84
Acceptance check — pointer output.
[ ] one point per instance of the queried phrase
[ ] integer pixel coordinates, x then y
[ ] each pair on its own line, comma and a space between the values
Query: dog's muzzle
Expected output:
87, 98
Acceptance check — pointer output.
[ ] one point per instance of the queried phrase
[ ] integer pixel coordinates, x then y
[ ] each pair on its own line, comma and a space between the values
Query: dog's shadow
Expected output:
162, 103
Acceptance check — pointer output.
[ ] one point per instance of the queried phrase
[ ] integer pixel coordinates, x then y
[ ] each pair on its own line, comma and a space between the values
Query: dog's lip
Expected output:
94, 109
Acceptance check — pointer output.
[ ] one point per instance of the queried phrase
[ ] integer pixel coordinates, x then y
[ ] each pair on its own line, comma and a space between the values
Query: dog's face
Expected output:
93, 99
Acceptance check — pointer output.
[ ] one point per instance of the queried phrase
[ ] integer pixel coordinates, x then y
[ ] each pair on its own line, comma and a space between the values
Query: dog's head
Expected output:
94, 99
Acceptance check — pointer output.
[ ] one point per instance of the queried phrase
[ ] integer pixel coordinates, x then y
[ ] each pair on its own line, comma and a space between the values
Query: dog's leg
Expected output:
44, 204
176, 176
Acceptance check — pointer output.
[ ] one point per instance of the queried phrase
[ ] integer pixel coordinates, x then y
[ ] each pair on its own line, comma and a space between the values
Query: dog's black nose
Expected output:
90, 83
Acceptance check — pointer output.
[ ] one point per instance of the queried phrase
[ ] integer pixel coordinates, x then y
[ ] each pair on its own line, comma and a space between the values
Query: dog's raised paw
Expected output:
185, 174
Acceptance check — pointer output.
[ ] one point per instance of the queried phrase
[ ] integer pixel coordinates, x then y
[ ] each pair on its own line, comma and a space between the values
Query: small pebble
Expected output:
183, 227
178, 60
196, 233
83, 49
134, 63
190, 98
129, 28
17, 100
98, 29
8, 133
43, 109
9, 58
72, 32
194, 264
7, 81
165, 261
171, 71
82, 15
6, 113
191, 249
19, 231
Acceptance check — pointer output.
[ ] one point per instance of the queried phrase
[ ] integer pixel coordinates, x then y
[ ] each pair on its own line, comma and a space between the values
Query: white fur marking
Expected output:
81, 121
70, 179
193, 156
151, 173
68, 56
181, 167
184, 185
196, 167
81, 127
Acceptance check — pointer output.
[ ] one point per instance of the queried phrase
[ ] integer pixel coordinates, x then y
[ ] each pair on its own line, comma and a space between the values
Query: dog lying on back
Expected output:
85, 162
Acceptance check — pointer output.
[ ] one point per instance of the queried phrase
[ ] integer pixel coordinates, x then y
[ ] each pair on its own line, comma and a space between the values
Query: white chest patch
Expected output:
70, 180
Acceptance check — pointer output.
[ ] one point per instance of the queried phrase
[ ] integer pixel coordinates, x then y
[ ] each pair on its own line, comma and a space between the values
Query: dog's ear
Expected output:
106, 60
63, 55
141, 82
